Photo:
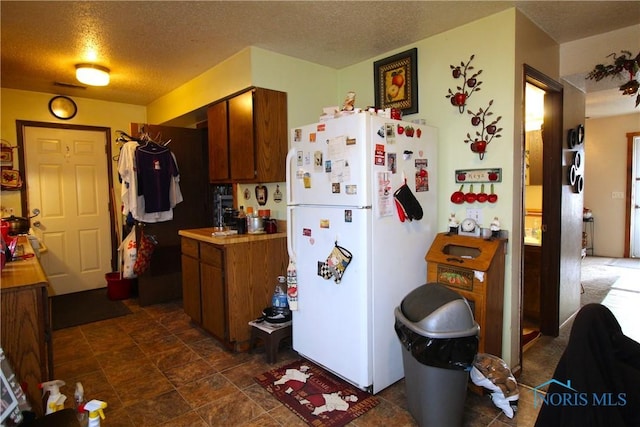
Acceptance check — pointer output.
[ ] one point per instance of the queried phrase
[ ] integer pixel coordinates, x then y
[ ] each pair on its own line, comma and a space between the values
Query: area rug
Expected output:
315, 395
79, 308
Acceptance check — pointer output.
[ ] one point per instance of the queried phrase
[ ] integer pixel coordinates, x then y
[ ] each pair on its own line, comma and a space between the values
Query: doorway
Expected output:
632, 220
68, 176
532, 195
541, 273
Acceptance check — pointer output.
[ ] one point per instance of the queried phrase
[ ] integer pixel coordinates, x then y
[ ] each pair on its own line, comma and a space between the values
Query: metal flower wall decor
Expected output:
622, 65
490, 130
470, 83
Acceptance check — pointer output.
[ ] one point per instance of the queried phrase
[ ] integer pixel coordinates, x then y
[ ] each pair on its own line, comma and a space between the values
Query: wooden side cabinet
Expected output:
229, 284
26, 325
473, 267
248, 137
191, 279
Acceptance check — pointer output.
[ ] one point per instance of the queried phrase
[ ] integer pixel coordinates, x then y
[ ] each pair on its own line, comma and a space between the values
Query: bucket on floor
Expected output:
118, 288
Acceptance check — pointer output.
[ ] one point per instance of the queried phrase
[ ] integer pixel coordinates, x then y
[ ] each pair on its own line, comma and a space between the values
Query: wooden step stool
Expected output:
271, 338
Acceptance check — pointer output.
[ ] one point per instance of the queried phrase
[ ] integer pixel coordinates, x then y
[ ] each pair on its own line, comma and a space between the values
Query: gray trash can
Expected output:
439, 337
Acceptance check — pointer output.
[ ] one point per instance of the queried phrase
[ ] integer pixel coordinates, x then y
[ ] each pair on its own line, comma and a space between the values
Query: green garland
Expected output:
625, 62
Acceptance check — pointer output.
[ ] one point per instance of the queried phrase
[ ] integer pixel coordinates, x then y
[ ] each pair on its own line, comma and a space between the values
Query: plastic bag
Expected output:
492, 373
129, 252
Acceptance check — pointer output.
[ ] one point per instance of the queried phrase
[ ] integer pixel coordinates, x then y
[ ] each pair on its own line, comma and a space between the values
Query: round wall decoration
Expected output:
63, 107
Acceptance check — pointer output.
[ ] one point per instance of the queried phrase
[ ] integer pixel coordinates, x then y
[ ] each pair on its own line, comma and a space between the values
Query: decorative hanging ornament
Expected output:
470, 84
489, 130
622, 64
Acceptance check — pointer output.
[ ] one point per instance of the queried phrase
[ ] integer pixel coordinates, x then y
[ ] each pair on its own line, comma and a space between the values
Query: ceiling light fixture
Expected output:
92, 74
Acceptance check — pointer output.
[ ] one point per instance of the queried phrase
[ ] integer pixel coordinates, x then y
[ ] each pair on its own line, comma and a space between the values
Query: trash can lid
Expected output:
433, 310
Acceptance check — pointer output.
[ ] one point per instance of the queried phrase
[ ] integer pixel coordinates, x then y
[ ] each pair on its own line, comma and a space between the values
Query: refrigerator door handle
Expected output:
290, 178
289, 191
292, 254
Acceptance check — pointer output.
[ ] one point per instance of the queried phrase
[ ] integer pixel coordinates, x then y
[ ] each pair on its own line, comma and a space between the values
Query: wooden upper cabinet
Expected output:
242, 138
248, 137
218, 142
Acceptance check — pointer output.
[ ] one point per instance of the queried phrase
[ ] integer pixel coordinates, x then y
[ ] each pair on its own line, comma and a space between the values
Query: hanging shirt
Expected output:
156, 169
134, 203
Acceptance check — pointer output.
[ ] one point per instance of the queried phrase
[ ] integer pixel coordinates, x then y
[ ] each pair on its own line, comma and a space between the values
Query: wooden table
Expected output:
26, 322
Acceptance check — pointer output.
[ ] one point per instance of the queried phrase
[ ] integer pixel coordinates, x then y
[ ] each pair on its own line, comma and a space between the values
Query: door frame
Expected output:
629, 193
551, 200
20, 130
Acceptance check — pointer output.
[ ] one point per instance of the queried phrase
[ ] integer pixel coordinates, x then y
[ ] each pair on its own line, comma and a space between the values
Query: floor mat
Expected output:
316, 396
84, 307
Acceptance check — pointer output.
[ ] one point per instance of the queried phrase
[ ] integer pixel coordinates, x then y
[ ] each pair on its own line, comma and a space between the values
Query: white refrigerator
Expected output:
341, 177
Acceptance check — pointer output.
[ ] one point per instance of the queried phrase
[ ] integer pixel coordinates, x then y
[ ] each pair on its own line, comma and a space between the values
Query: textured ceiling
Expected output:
152, 47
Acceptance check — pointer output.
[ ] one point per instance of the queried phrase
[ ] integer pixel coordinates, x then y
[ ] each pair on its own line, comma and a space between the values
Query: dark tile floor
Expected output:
156, 368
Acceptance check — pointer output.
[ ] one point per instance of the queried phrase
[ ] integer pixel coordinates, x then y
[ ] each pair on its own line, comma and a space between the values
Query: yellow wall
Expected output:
230, 76
34, 106
605, 157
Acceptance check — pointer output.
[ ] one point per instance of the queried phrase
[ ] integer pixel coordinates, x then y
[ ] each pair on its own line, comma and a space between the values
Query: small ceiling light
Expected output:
92, 74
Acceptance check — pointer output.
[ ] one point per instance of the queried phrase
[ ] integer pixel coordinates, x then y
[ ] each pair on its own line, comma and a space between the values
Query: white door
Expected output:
66, 174
635, 197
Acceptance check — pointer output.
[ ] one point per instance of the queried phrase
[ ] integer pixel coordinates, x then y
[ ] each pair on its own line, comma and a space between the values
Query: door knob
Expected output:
36, 224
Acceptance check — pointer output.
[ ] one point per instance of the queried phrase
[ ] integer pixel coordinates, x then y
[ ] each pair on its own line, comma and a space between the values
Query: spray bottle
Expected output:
81, 414
95, 407
55, 402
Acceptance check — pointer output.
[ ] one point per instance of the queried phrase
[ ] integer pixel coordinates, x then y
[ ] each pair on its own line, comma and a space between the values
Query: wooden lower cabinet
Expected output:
191, 278
26, 324
212, 291
227, 285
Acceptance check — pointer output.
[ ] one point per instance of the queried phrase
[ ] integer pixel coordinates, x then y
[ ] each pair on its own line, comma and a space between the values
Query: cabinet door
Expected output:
252, 269
191, 287
241, 137
213, 306
218, 142
271, 134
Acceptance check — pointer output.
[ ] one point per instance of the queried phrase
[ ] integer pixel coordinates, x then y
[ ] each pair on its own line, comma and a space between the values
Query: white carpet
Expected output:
625, 262
623, 300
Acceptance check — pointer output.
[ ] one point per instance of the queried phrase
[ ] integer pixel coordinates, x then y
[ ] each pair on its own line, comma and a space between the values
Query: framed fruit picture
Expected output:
396, 82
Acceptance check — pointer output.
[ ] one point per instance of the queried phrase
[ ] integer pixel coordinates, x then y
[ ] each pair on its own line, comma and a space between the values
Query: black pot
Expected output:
269, 316
19, 225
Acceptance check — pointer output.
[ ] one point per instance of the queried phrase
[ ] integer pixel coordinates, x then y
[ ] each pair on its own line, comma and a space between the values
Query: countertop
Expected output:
206, 235
25, 271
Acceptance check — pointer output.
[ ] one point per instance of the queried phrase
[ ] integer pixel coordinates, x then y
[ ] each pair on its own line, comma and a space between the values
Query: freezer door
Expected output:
398, 248
331, 325
327, 164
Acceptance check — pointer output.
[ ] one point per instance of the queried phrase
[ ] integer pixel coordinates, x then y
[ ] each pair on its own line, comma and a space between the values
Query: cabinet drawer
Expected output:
189, 247
211, 255
457, 278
